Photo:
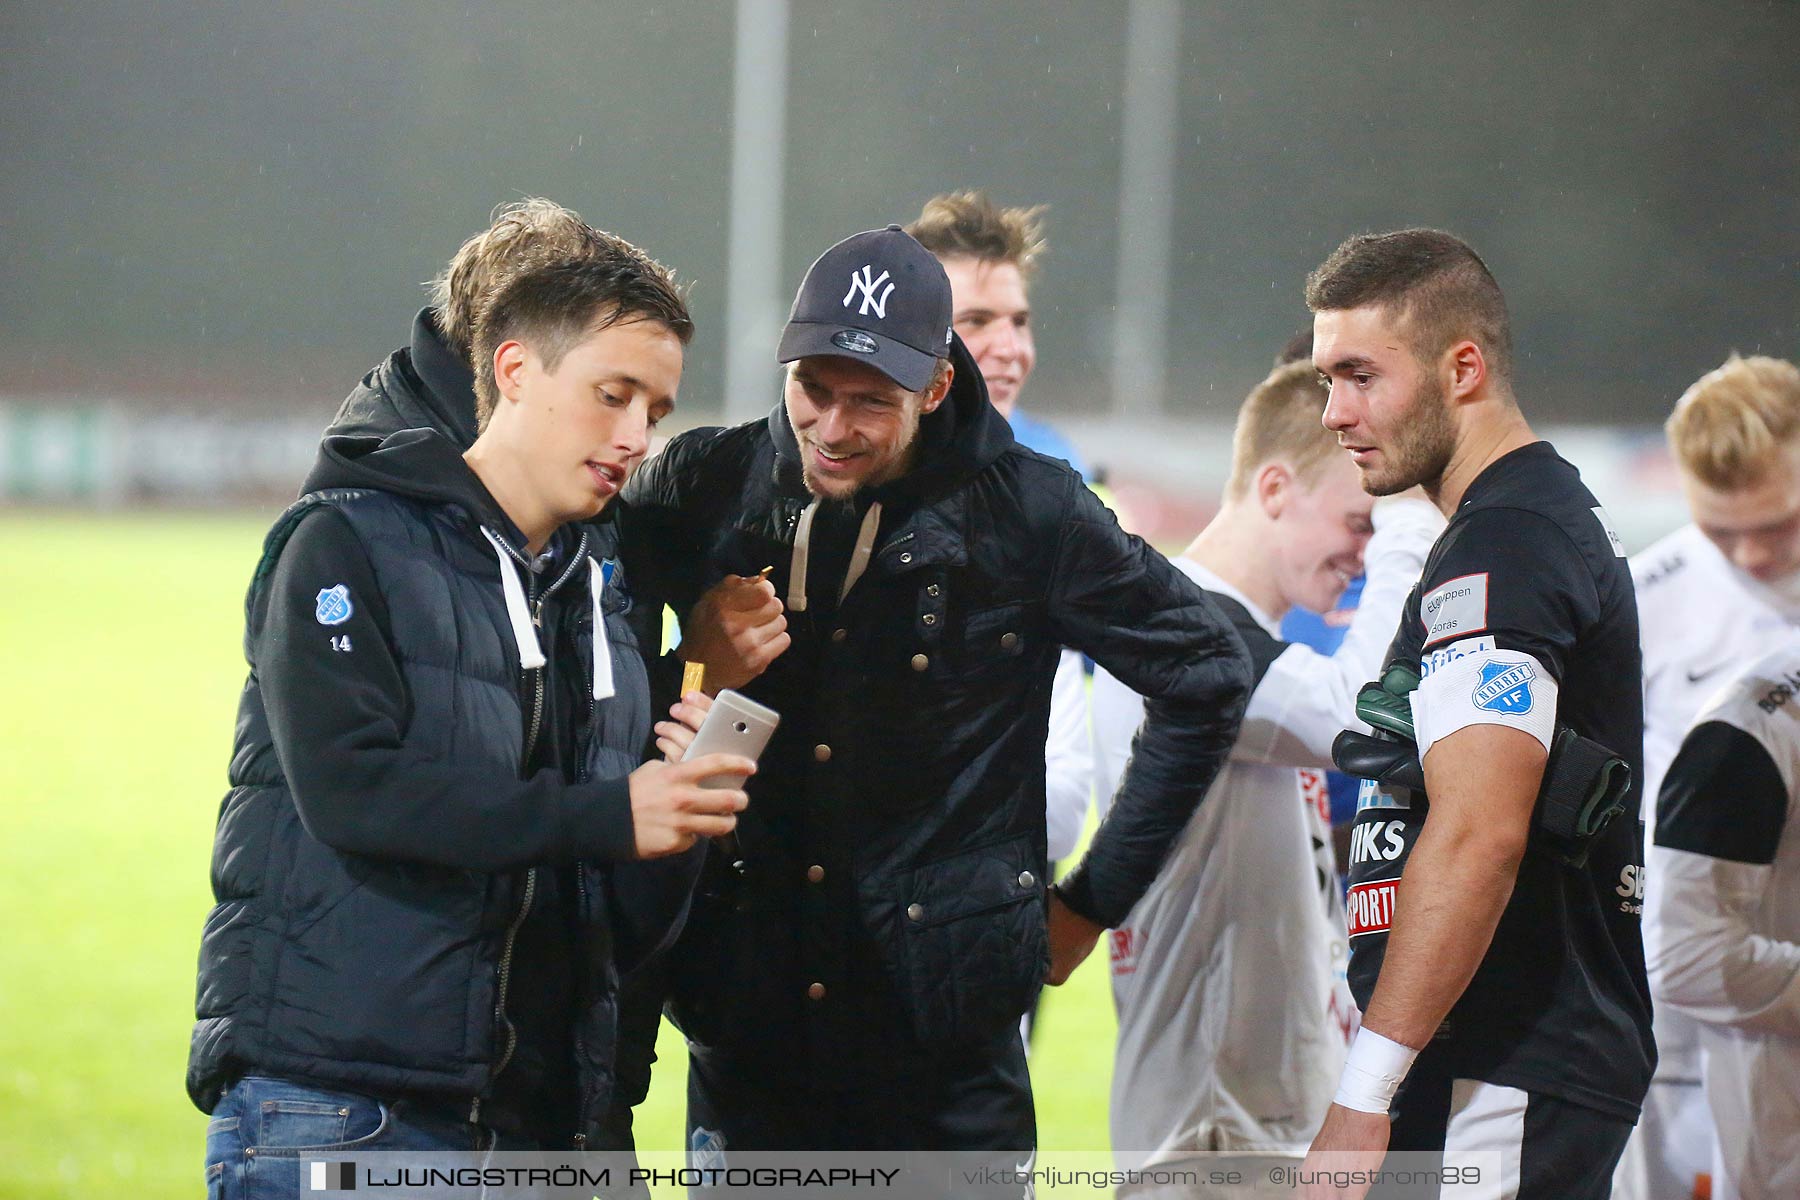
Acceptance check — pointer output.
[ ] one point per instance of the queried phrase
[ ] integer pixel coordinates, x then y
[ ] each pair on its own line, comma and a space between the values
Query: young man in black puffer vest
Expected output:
427, 869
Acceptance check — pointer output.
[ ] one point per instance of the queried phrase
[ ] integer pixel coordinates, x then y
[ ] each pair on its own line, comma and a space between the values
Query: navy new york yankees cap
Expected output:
876, 297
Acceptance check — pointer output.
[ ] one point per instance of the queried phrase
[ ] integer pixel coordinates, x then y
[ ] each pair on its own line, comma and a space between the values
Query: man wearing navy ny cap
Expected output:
853, 978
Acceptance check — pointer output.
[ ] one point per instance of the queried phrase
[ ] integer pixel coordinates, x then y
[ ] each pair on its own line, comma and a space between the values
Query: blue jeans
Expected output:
263, 1126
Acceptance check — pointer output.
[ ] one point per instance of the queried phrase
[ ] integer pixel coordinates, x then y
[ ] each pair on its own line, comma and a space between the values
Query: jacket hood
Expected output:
423, 385
965, 435
449, 383
420, 464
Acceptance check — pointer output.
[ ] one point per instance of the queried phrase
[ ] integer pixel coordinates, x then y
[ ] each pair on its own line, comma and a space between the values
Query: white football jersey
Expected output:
1229, 974
1701, 621
1724, 891
1068, 758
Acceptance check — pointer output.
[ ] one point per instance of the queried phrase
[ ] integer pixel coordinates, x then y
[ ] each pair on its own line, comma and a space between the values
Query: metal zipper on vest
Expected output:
581, 889
537, 621
581, 1108
512, 932
531, 737
505, 977
537, 714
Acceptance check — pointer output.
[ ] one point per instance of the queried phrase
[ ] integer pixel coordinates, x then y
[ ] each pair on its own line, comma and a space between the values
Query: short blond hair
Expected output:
522, 236
1279, 420
969, 225
1729, 429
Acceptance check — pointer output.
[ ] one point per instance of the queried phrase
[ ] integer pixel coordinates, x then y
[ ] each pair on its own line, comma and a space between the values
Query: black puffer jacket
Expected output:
394, 809
893, 906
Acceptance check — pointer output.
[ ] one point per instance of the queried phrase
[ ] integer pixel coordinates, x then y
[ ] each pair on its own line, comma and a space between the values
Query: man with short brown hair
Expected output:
991, 255
427, 869
429, 383
1499, 970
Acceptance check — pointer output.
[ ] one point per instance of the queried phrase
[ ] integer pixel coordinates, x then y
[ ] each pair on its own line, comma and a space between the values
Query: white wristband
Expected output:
1373, 1072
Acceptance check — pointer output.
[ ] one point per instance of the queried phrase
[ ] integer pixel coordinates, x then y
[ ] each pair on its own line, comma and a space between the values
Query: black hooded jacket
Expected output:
892, 903
428, 385
423, 385
422, 869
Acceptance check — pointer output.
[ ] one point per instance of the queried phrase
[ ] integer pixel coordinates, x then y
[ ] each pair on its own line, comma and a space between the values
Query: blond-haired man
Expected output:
1234, 1013
1713, 597
429, 382
1722, 919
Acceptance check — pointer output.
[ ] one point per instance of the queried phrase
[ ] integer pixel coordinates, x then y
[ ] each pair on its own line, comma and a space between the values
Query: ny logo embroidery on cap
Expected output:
860, 282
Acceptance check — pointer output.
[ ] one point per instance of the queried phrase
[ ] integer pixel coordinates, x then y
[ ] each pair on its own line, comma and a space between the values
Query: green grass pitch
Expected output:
122, 664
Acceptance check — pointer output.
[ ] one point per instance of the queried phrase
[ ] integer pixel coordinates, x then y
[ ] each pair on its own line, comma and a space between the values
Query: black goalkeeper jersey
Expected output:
1526, 606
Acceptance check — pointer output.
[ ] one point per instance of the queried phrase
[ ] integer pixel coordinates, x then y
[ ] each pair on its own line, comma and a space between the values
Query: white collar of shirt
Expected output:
1213, 583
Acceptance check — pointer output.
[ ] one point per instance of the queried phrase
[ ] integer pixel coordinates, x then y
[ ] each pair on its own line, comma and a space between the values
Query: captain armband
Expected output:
1585, 785
1496, 687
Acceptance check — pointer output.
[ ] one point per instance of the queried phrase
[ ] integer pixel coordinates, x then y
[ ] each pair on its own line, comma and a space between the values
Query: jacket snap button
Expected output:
822, 752
816, 992
838, 635
1026, 879
907, 557
931, 589
915, 912
1008, 641
920, 662
815, 874
930, 618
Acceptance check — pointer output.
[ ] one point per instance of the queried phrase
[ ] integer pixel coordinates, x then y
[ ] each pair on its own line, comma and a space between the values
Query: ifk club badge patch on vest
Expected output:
334, 607
1505, 688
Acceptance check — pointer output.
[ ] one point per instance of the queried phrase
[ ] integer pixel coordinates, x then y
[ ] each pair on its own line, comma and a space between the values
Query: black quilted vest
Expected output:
379, 976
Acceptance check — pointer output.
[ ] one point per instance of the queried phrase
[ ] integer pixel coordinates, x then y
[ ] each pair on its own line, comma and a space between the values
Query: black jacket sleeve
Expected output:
1156, 631
648, 903
663, 552
339, 715
663, 546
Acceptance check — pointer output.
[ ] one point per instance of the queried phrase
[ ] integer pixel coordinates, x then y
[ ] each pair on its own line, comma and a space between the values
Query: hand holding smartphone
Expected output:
734, 725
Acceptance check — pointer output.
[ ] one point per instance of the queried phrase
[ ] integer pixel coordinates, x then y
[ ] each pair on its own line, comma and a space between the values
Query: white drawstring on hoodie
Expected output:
518, 613
859, 554
531, 655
